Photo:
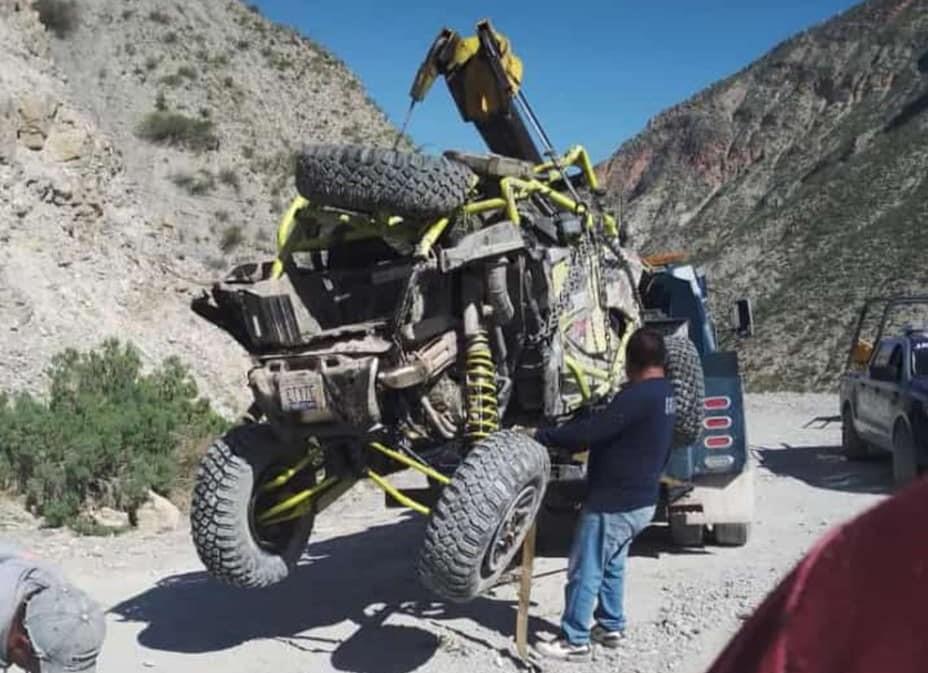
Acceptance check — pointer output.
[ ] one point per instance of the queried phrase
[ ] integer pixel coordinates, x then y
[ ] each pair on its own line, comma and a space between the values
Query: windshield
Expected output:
920, 358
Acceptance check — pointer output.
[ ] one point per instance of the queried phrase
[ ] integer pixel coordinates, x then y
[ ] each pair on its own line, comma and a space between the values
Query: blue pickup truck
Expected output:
884, 394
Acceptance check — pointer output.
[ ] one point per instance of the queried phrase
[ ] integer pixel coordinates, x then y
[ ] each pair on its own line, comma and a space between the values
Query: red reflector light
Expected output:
717, 422
718, 442
716, 403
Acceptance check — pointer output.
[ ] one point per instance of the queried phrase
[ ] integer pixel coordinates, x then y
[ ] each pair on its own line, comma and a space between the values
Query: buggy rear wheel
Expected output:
233, 537
483, 515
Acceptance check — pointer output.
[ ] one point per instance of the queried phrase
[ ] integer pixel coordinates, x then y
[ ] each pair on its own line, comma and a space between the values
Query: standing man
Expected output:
629, 443
46, 624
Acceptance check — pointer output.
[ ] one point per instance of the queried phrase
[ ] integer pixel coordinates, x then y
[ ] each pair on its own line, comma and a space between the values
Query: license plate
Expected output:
301, 391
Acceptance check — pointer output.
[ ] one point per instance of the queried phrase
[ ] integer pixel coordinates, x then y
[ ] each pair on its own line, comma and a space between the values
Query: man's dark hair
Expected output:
646, 349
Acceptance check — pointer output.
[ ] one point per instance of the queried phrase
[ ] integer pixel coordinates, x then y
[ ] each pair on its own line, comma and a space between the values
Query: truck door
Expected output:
886, 386
866, 399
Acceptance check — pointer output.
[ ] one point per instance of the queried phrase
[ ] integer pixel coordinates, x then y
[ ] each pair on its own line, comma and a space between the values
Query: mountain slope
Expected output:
800, 181
107, 233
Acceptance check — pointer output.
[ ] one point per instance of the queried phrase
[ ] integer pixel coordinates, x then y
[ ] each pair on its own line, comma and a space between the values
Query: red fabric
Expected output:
857, 603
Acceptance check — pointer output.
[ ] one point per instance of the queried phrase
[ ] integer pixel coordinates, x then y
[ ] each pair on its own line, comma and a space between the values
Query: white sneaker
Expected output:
610, 639
562, 650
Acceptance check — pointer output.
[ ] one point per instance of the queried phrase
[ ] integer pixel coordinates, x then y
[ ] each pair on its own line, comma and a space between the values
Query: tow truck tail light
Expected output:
719, 403
717, 422
718, 442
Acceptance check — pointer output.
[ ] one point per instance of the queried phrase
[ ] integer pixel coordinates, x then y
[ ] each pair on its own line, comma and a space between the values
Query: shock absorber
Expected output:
480, 382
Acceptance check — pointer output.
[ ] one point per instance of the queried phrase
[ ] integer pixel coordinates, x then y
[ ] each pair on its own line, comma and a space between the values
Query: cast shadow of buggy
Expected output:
364, 578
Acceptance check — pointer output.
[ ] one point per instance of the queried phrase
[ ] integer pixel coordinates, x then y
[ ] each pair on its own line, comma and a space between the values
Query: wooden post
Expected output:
525, 593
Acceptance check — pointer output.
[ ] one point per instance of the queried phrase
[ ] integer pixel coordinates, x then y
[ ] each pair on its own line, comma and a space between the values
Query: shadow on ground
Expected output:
827, 467
365, 578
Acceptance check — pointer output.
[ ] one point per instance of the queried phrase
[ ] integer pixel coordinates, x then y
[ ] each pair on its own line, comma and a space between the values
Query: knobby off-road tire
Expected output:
483, 515
221, 518
684, 370
373, 180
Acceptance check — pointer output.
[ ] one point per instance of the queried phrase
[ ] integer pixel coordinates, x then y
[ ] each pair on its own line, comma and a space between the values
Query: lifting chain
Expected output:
586, 254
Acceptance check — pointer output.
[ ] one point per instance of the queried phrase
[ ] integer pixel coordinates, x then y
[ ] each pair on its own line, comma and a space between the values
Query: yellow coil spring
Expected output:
480, 378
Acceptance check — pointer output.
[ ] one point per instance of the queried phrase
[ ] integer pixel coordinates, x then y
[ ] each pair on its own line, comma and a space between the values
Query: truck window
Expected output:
881, 359
895, 363
920, 358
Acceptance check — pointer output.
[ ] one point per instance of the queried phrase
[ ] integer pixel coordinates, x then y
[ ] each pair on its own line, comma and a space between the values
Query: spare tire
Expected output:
684, 370
374, 180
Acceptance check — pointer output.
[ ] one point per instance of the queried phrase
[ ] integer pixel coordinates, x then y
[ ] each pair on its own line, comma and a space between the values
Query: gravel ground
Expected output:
356, 606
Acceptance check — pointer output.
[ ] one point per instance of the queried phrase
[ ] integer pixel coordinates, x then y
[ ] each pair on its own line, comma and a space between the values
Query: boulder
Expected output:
110, 518
157, 515
35, 116
66, 143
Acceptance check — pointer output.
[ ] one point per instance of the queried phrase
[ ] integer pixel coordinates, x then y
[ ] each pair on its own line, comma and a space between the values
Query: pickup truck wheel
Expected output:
905, 465
854, 447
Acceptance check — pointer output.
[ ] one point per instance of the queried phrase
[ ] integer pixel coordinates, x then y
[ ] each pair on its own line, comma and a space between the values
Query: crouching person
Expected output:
629, 443
46, 624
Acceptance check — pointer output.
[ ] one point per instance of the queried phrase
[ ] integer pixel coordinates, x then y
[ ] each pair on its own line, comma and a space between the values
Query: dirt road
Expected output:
355, 604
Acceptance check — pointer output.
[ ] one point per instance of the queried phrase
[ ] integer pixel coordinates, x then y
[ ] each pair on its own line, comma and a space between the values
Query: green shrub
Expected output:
232, 237
106, 434
59, 16
157, 16
184, 72
170, 37
161, 103
151, 63
229, 177
203, 182
173, 128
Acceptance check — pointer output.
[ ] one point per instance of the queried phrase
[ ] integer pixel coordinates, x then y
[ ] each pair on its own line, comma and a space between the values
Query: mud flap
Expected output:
717, 499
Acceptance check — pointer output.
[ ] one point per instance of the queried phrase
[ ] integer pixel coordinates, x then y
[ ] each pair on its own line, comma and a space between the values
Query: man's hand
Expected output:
525, 430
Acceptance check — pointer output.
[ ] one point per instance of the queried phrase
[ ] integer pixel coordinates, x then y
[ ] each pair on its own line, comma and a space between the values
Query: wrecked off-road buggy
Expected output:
419, 307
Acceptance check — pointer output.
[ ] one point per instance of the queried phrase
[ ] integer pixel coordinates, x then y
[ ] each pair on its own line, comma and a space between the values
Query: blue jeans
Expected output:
596, 572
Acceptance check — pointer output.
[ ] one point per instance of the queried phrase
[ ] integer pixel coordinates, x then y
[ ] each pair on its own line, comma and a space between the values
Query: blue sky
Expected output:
595, 72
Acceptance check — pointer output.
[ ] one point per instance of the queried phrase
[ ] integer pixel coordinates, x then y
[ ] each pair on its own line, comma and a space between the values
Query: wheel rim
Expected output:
275, 537
511, 530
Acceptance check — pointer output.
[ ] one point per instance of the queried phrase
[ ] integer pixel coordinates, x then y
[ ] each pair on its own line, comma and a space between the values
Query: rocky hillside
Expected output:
800, 181
145, 147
